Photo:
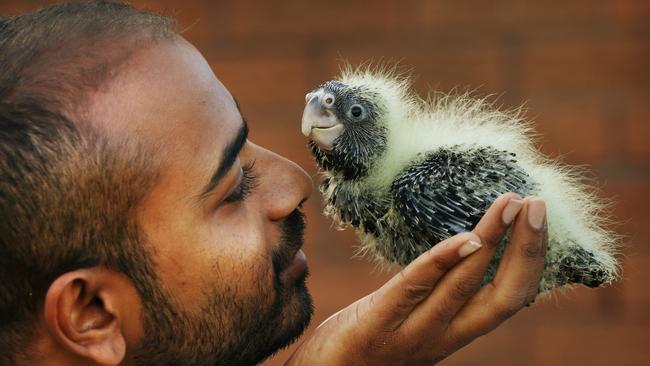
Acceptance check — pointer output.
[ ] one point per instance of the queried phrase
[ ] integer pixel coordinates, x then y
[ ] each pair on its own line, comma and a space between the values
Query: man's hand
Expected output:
436, 304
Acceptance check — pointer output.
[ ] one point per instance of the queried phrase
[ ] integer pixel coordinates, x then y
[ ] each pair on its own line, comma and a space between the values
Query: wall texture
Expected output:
581, 67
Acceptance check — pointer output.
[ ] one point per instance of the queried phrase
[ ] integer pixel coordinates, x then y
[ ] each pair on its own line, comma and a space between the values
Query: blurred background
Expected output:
582, 68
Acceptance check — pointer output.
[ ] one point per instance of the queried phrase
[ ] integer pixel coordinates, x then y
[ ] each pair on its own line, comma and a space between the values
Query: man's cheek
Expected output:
246, 239
247, 286
243, 258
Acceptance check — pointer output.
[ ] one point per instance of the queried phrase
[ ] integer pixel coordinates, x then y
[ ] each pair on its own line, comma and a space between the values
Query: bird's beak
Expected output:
318, 121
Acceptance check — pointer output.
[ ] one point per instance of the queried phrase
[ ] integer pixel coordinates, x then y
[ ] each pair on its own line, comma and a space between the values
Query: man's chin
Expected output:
290, 322
297, 311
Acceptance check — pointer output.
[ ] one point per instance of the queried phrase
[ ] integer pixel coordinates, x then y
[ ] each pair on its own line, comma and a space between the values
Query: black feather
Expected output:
448, 190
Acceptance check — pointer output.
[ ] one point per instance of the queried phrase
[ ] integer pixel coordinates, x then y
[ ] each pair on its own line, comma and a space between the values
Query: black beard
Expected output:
291, 239
230, 330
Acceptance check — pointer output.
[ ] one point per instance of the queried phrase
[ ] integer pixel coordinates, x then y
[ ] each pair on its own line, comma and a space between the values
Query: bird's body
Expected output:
407, 173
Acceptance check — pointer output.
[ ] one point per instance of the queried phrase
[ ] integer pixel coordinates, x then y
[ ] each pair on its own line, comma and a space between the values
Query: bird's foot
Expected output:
581, 266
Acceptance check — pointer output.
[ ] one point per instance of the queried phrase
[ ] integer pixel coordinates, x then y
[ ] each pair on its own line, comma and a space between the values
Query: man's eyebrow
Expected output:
230, 154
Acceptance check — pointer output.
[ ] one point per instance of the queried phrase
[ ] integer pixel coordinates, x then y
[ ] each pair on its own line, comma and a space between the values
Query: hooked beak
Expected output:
318, 121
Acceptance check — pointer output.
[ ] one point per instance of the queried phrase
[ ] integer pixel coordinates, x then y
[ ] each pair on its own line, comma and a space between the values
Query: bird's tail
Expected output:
581, 248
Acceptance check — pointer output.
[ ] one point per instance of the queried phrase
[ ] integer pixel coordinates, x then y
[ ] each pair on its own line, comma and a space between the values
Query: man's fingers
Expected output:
523, 261
517, 278
464, 280
491, 230
402, 293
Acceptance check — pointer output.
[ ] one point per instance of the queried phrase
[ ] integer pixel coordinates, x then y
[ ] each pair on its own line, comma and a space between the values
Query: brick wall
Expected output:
581, 67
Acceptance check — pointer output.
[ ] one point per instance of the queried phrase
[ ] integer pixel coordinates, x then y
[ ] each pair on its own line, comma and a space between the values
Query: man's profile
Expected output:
74, 180
141, 227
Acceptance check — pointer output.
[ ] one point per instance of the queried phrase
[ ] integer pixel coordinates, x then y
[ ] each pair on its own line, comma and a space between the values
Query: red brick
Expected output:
630, 211
634, 286
259, 81
572, 131
504, 13
511, 22
300, 17
636, 131
504, 346
594, 344
630, 15
441, 68
608, 67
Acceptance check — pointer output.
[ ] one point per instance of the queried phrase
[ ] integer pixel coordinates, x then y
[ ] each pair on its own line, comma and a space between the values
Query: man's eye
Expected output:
247, 185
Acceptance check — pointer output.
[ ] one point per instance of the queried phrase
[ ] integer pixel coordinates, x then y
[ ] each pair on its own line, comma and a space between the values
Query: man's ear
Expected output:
86, 310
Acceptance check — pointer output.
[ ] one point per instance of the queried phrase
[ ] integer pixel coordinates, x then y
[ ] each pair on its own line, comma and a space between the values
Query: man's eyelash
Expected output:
247, 185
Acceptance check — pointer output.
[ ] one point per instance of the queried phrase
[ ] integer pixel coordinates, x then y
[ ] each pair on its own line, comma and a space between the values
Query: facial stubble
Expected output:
231, 329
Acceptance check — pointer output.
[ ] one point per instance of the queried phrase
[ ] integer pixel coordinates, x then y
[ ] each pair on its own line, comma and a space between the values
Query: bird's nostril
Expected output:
328, 100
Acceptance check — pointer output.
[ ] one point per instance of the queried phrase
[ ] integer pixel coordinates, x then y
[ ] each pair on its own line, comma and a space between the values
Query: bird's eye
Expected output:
356, 111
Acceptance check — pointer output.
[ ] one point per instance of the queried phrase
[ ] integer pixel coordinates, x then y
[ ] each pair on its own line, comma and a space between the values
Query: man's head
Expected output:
138, 221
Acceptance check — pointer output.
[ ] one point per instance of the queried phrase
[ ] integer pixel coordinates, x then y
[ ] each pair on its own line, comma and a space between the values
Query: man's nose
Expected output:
286, 185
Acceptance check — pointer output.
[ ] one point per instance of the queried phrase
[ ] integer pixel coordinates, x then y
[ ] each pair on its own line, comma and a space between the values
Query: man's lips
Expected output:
296, 267
285, 259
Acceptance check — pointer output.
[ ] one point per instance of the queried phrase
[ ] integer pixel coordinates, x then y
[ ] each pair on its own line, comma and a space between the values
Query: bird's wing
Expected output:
447, 191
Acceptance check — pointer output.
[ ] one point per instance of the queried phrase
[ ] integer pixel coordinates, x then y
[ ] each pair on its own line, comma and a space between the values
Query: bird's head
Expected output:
345, 123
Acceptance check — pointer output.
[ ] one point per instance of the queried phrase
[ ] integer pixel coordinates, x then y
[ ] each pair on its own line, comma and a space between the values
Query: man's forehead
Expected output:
167, 97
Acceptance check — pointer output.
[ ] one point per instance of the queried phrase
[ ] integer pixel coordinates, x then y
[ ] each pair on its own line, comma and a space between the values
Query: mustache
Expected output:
292, 230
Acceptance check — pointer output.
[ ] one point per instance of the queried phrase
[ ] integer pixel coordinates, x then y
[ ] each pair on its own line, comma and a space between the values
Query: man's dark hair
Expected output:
67, 195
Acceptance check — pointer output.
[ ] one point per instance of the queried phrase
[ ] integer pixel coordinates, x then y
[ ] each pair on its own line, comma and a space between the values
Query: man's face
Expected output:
222, 235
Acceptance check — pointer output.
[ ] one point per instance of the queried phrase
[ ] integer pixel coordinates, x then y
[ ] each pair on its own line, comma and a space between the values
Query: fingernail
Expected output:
536, 213
468, 248
511, 210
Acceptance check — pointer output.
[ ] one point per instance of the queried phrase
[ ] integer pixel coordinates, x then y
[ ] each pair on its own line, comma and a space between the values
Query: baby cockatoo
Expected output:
407, 173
